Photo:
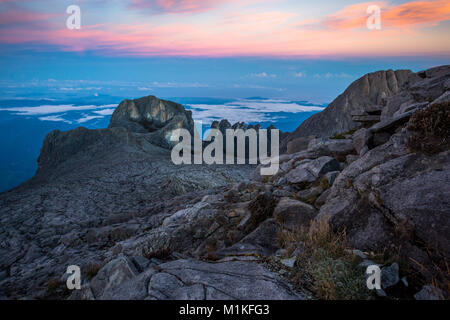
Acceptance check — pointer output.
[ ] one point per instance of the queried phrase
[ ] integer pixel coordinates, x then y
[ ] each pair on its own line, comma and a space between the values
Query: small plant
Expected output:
341, 136
430, 129
289, 239
332, 272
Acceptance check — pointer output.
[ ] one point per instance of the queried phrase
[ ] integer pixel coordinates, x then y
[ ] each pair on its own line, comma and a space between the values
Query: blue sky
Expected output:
69, 74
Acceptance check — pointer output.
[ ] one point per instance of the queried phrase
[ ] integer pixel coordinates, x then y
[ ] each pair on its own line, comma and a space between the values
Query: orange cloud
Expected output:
413, 13
251, 32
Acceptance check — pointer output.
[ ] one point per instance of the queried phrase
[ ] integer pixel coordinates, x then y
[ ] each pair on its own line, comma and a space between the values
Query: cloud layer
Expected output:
246, 110
253, 110
67, 113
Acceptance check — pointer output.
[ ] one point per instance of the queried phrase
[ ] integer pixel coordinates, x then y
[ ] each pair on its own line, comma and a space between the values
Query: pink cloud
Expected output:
189, 6
16, 15
176, 5
182, 6
404, 15
246, 32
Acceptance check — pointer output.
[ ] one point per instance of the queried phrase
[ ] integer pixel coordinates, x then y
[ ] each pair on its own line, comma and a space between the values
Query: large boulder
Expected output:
338, 148
136, 124
234, 280
361, 139
308, 171
185, 230
389, 125
113, 274
261, 242
293, 214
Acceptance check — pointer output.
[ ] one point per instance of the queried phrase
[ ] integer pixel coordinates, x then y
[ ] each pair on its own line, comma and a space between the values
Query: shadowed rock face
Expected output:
149, 114
388, 91
61, 146
152, 115
135, 124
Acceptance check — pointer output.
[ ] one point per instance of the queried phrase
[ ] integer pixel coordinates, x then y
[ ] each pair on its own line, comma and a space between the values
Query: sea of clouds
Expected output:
249, 110
239, 110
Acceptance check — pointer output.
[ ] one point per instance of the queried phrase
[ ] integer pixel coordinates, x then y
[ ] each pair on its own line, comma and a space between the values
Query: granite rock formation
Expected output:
140, 227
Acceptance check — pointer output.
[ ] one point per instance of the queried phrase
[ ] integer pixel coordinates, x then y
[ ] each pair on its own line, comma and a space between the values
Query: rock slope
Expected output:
92, 189
140, 227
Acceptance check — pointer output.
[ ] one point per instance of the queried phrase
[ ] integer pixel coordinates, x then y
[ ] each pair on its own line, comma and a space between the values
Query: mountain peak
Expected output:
149, 114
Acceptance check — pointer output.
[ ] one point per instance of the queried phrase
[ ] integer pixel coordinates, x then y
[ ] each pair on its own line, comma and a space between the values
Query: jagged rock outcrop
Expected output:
389, 196
223, 125
378, 94
293, 214
154, 117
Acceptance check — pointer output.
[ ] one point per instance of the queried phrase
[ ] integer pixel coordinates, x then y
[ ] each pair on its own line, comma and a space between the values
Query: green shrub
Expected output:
336, 278
333, 273
341, 136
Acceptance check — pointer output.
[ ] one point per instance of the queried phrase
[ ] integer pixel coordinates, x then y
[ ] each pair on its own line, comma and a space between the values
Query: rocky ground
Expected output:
112, 202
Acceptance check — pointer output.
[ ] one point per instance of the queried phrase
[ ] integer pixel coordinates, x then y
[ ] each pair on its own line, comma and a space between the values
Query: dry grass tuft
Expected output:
430, 129
91, 270
331, 272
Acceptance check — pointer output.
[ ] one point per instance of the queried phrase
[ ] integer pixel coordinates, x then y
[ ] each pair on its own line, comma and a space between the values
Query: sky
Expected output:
293, 49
